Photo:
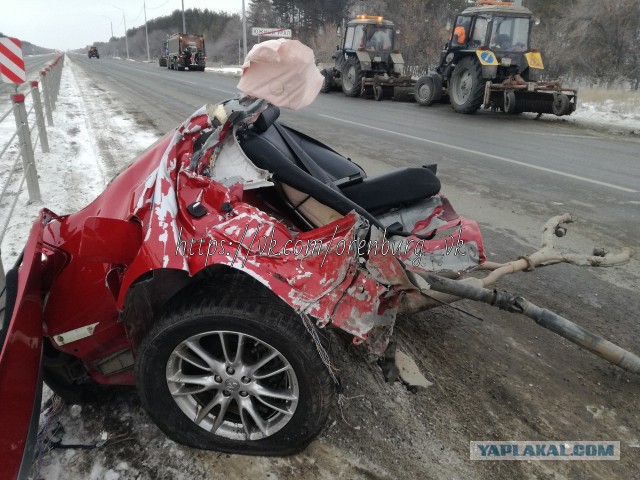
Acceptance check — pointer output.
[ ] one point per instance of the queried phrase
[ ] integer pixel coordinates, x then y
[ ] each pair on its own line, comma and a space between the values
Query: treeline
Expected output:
591, 40
30, 48
222, 32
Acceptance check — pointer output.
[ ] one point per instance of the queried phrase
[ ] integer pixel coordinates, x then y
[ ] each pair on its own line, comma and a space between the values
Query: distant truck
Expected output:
93, 52
186, 50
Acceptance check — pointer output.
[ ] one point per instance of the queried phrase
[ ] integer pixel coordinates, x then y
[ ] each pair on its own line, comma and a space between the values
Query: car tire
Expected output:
194, 343
466, 88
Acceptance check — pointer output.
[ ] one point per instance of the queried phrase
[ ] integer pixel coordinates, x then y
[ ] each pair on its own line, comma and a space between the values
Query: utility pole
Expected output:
126, 40
184, 25
112, 45
146, 32
244, 31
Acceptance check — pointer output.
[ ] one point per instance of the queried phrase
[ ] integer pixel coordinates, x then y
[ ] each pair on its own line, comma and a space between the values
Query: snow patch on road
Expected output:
233, 71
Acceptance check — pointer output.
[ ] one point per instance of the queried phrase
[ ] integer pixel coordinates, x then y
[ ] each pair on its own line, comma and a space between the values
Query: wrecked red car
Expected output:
206, 271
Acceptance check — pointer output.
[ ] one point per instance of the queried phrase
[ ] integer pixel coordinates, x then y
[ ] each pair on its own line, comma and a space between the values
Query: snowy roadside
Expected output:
618, 116
228, 70
90, 142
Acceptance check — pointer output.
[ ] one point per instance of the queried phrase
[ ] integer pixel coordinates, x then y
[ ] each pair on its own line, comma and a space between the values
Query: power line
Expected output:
159, 6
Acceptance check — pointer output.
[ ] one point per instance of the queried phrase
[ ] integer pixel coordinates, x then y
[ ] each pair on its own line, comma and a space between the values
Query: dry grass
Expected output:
621, 101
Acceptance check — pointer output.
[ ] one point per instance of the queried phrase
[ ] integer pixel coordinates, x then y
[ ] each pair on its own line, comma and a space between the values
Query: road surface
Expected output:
500, 379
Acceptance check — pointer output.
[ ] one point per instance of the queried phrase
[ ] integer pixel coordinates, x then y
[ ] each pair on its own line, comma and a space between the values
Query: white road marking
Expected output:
223, 91
488, 155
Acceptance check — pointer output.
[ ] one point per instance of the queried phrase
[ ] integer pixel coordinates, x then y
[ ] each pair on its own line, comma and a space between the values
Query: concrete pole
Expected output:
146, 32
244, 32
113, 53
184, 25
126, 40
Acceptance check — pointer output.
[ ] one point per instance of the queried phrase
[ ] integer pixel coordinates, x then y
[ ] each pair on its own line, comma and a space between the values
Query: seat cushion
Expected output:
269, 151
394, 189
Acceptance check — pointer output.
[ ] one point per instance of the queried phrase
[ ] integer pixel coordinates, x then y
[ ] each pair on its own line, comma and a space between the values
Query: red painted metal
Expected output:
20, 357
11, 62
140, 224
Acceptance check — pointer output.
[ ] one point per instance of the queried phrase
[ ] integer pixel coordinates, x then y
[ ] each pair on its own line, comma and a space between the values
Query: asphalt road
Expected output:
511, 158
503, 378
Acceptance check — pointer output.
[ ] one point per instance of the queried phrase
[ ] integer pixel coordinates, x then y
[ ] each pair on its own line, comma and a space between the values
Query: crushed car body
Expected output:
205, 269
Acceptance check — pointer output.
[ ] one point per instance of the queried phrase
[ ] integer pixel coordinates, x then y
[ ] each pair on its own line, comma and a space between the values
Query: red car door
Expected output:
21, 338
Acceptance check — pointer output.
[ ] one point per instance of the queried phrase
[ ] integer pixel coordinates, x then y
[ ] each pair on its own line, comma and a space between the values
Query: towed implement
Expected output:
488, 61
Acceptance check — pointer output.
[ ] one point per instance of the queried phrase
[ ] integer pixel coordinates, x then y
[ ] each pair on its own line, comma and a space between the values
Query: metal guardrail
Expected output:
44, 94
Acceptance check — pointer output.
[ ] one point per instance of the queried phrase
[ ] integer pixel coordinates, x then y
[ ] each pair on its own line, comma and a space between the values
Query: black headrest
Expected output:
266, 118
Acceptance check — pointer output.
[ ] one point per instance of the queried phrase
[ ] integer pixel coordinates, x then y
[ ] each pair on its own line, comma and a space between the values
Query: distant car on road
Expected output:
93, 52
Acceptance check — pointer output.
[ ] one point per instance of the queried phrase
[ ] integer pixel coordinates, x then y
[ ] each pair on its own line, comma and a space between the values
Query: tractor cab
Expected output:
500, 28
367, 61
489, 61
369, 33
371, 38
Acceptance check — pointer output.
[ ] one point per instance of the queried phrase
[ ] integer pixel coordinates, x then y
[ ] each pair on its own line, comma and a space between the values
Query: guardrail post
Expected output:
37, 105
47, 97
26, 148
52, 83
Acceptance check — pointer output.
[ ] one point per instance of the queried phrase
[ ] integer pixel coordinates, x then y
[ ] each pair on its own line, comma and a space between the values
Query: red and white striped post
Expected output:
11, 61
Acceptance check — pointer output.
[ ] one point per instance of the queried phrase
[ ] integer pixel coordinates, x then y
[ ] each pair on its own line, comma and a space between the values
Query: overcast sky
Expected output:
68, 24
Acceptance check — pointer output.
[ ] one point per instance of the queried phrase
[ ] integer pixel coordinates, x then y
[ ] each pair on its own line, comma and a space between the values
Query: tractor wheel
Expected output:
237, 374
428, 89
510, 103
466, 88
424, 91
378, 93
351, 78
561, 105
327, 83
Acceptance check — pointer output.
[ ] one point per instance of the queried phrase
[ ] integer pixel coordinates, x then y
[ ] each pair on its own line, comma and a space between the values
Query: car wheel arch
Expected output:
160, 290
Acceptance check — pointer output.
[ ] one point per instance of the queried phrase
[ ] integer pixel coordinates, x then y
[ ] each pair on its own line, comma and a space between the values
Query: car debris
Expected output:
206, 271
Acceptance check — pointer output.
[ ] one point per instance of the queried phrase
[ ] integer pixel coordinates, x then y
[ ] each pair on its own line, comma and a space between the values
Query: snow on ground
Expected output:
78, 166
228, 70
613, 110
